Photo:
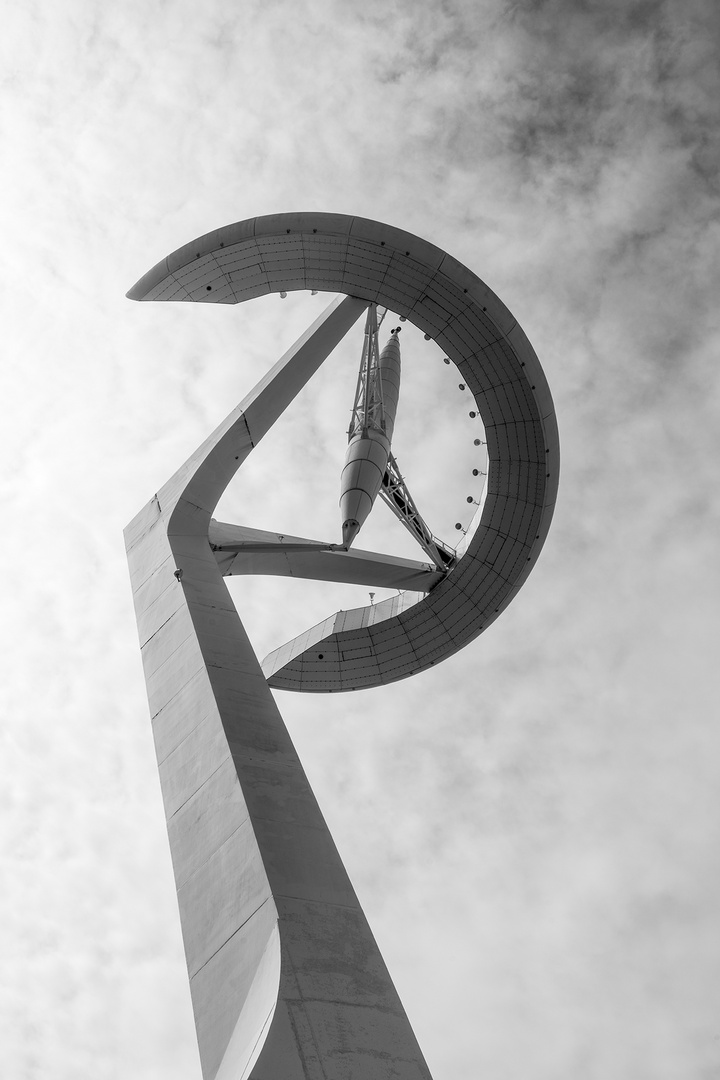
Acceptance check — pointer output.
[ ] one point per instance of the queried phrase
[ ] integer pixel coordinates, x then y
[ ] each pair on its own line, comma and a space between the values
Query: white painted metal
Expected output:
360, 480
390, 381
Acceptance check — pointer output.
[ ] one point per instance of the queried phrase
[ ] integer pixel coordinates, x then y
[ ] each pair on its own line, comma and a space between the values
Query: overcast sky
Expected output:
533, 826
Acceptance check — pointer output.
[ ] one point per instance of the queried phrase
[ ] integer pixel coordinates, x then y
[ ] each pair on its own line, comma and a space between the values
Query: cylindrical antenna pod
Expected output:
369, 446
390, 379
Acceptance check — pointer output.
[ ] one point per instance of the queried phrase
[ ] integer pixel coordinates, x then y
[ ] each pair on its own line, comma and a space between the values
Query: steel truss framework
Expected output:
368, 407
395, 493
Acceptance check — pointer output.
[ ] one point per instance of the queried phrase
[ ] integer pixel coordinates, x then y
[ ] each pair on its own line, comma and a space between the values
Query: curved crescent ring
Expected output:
376, 262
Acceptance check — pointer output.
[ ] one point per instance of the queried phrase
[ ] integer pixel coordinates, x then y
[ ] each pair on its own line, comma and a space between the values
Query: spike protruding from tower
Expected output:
371, 428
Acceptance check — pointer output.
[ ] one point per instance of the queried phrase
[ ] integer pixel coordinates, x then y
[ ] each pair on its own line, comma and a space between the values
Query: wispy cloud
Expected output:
533, 825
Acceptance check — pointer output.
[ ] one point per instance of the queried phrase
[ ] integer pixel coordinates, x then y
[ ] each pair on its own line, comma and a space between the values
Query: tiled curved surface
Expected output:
377, 262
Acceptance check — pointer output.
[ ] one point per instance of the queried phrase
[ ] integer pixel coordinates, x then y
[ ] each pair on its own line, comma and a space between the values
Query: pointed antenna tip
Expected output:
350, 529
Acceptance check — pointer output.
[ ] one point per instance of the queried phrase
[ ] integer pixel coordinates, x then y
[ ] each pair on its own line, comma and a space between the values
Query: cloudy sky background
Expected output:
532, 827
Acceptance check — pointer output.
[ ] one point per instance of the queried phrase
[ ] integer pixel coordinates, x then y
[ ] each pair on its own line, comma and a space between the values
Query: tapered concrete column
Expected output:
282, 963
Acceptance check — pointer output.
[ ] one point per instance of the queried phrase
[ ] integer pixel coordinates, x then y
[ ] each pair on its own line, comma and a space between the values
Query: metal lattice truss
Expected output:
395, 493
368, 409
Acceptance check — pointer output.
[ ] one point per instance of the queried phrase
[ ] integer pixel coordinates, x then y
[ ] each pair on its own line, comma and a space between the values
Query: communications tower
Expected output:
286, 979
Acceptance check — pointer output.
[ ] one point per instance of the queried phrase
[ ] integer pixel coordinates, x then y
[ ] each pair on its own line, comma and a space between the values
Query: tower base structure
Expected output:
286, 979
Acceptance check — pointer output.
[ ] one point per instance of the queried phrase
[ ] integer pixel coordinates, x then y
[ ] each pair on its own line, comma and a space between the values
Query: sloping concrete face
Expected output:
287, 982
